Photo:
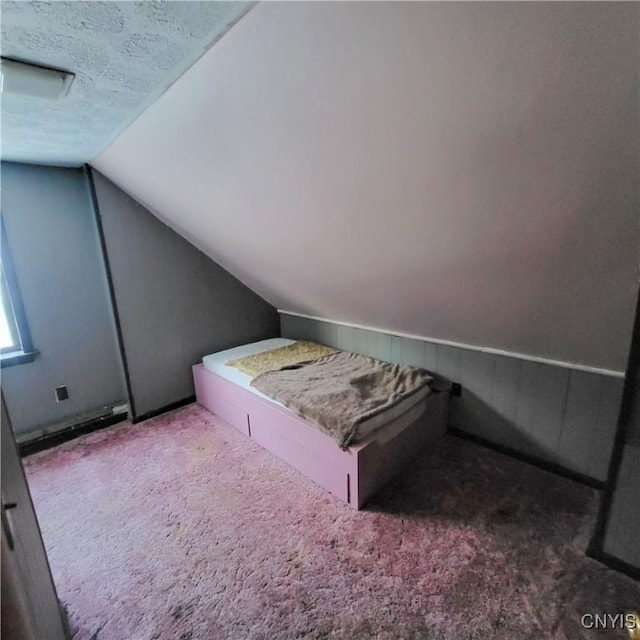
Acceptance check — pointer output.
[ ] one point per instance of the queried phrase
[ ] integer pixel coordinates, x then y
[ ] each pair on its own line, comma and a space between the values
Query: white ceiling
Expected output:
124, 55
461, 171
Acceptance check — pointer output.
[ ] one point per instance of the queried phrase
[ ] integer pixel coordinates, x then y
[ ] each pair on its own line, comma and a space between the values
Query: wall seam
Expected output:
574, 366
112, 295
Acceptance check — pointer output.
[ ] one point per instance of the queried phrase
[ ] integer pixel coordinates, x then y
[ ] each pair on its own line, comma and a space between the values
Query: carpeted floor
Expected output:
180, 528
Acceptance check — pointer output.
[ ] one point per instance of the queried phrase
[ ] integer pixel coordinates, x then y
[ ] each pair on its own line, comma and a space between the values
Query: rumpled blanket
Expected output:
339, 392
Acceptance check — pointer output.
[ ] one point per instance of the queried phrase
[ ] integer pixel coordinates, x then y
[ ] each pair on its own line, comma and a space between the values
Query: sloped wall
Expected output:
460, 171
173, 303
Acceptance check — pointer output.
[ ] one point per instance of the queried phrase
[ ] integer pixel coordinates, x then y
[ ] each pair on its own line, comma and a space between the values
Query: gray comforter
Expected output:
339, 392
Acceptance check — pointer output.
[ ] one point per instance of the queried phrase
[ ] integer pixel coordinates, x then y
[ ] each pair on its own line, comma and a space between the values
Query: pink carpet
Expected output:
181, 528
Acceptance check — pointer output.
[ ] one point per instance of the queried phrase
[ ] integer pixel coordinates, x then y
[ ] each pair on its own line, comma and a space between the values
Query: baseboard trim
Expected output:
165, 409
545, 465
614, 563
49, 440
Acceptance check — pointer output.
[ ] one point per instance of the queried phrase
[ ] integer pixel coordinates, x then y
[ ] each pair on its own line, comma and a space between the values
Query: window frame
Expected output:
15, 314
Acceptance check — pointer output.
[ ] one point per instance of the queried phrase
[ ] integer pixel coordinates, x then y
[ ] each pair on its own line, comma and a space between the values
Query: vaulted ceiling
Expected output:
460, 171
124, 55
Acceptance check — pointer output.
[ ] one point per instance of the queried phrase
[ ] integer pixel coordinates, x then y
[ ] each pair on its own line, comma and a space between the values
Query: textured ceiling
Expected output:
124, 55
461, 171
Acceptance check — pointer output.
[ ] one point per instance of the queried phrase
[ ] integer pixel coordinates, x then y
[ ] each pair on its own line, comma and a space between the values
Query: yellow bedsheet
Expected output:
283, 357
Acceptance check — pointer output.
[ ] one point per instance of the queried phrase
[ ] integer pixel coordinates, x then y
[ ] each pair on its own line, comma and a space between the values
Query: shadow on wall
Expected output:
470, 416
559, 417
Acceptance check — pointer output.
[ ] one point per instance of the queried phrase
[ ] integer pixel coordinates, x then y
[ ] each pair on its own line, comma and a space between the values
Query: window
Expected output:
9, 336
15, 339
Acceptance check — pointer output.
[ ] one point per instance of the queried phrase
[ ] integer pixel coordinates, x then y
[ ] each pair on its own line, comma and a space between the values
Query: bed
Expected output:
353, 474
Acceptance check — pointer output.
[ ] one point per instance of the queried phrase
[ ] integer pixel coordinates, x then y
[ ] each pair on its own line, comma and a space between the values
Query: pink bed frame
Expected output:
353, 475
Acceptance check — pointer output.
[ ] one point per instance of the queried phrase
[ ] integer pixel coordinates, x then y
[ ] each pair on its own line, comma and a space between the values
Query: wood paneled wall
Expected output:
554, 414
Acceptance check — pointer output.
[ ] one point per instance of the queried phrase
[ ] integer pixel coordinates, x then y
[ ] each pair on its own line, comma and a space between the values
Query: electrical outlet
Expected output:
456, 389
62, 393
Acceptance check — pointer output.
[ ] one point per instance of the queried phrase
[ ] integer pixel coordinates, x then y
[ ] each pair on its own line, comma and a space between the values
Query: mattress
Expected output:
216, 363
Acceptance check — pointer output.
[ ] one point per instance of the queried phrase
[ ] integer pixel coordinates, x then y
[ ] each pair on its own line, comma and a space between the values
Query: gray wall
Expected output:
623, 527
562, 416
622, 530
174, 304
53, 239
